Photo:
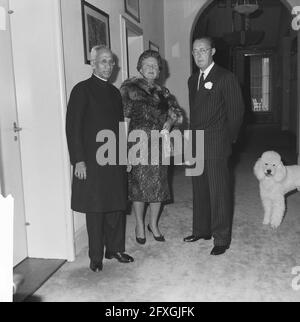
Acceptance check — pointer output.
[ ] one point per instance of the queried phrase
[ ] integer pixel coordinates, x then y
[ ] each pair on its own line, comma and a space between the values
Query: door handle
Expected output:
16, 128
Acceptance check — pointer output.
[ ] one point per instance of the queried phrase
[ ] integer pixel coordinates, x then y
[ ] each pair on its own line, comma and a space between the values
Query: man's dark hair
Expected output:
209, 39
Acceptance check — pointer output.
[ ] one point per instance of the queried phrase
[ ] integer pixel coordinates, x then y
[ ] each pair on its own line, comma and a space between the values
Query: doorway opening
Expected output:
263, 58
258, 83
132, 46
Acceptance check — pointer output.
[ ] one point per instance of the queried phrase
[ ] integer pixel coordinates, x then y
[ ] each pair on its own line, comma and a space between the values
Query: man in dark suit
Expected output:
100, 191
217, 108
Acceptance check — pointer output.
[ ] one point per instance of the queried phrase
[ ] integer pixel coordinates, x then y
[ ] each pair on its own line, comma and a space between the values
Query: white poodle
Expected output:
275, 180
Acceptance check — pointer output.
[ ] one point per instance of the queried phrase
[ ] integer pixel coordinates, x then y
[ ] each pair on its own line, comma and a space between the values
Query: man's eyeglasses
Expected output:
105, 62
201, 51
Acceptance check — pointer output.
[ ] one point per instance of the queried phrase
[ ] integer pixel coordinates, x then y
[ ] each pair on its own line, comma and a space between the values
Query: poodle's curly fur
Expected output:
275, 180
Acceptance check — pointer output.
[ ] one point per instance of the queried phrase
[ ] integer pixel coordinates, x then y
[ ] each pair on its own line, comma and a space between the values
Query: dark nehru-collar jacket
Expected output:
218, 109
95, 105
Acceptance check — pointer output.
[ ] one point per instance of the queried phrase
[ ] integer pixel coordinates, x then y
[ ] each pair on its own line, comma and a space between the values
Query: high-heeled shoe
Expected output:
141, 241
160, 238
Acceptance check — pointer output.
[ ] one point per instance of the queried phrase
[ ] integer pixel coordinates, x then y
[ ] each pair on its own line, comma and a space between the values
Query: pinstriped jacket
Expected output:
218, 109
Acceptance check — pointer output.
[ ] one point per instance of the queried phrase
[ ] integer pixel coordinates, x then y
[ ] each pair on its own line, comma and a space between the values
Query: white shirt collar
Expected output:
104, 80
205, 73
207, 70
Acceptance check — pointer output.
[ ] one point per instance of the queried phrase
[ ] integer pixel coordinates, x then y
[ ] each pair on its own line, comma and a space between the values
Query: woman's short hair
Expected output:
149, 53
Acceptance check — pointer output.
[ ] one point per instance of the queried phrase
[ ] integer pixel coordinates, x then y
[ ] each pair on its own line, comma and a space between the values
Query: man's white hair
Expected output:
97, 49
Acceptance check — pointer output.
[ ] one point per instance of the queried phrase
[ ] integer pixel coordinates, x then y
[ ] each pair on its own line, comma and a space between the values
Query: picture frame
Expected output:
132, 8
95, 25
154, 47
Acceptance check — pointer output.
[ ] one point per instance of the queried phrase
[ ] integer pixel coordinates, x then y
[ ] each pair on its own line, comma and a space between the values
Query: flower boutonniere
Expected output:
208, 85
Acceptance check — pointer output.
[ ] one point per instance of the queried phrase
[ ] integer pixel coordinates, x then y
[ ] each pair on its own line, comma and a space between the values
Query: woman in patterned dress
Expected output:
147, 107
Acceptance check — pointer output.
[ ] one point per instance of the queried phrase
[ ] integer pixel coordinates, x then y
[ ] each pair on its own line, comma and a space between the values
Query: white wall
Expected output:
152, 24
135, 47
179, 17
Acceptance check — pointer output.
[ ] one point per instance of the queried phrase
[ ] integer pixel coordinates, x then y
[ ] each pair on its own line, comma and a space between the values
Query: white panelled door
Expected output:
10, 136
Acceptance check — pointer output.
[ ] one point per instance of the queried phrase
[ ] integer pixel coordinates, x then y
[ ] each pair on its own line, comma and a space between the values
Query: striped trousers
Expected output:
213, 202
105, 229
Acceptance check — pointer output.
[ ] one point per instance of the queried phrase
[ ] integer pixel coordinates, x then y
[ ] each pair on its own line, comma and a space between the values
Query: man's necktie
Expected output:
200, 81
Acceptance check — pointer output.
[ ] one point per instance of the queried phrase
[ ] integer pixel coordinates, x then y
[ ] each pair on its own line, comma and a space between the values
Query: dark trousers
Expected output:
105, 229
212, 202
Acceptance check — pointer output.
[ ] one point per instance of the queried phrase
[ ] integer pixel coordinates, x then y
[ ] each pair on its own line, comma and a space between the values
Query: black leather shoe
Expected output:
194, 238
96, 266
141, 241
219, 250
121, 257
160, 238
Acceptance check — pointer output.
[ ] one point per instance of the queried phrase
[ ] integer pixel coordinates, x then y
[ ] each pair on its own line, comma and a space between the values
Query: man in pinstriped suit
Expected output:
217, 107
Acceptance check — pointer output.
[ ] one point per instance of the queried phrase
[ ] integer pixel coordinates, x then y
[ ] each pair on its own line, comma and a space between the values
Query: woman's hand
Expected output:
80, 170
166, 127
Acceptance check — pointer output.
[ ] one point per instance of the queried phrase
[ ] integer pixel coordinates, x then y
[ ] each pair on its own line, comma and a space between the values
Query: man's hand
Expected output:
80, 170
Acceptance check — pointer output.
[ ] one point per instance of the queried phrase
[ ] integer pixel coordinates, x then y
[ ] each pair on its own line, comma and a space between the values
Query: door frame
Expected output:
272, 116
125, 26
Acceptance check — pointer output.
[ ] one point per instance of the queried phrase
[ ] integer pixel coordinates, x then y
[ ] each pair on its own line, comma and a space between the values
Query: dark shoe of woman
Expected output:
141, 241
160, 238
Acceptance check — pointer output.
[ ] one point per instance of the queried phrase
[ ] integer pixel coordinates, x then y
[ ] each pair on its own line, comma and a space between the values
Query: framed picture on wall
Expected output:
95, 24
132, 8
154, 47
